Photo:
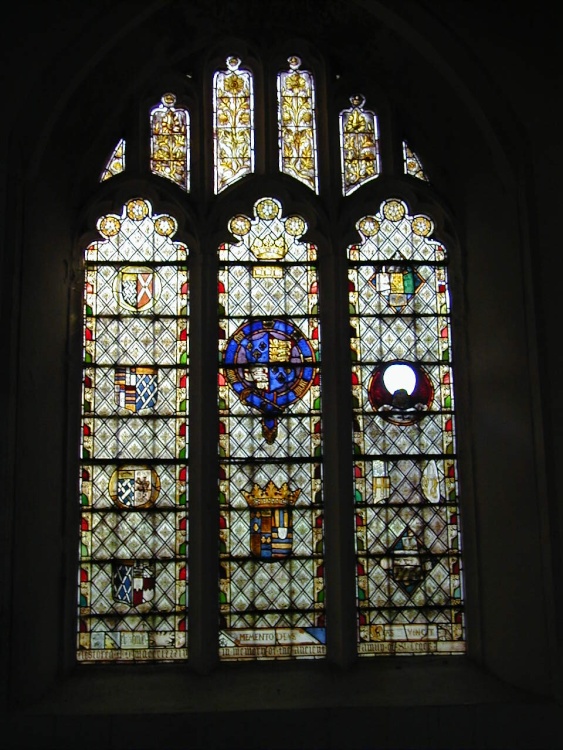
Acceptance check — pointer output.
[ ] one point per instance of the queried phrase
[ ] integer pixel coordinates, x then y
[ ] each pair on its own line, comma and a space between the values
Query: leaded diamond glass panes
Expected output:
116, 162
359, 145
233, 120
412, 163
170, 141
408, 546
133, 480
297, 124
272, 586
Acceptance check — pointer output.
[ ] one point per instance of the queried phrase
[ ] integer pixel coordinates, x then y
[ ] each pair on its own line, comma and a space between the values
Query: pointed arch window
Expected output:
273, 499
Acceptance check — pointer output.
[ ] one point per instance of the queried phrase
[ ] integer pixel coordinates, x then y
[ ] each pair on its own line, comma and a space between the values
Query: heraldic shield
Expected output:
271, 530
136, 388
136, 287
268, 363
133, 582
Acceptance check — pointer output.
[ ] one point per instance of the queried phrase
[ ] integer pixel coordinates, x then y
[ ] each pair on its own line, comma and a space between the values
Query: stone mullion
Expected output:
203, 463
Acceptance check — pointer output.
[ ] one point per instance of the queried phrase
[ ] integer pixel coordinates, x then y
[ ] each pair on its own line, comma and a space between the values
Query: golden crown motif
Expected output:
271, 496
269, 249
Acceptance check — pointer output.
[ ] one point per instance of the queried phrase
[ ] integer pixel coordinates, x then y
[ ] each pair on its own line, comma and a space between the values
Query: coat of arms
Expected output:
133, 582
269, 365
399, 284
271, 529
136, 287
134, 486
136, 387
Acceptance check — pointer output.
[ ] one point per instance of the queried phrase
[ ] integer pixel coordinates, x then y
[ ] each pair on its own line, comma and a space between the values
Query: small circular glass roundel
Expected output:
401, 392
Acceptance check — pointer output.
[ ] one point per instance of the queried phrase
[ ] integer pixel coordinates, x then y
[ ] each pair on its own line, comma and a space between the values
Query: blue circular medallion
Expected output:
269, 365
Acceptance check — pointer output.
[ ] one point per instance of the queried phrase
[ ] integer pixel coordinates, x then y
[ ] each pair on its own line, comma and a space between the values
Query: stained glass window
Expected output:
233, 113
133, 560
170, 141
133, 526
297, 124
270, 441
359, 145
116, 162
405, 470
412, 163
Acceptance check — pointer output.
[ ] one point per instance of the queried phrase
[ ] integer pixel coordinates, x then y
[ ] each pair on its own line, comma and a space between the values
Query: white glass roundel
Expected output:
398, 377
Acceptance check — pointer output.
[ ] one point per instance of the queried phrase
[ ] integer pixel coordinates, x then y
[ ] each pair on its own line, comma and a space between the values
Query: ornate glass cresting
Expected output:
133, 525
170, 141
412, 163
297, 124
116, 162
359, 145
270, 441
233, 124
405, 470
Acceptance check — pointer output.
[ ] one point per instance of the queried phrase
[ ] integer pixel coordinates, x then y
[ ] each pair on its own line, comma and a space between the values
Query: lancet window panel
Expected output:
170, 141
359, 145
408, 541
272, 586
233, 117
297, 133
134, 448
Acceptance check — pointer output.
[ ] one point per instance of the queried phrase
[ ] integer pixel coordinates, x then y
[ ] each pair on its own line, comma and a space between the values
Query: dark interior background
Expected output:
477, 87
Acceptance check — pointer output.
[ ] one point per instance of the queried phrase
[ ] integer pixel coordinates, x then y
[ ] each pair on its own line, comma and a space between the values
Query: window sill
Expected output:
96, 689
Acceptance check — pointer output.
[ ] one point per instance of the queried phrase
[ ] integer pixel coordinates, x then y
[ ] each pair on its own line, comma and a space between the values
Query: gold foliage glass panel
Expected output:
412, 163
170, 141
297, 124
408, 540
116, 162
132, 598
359, 145
233, 124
